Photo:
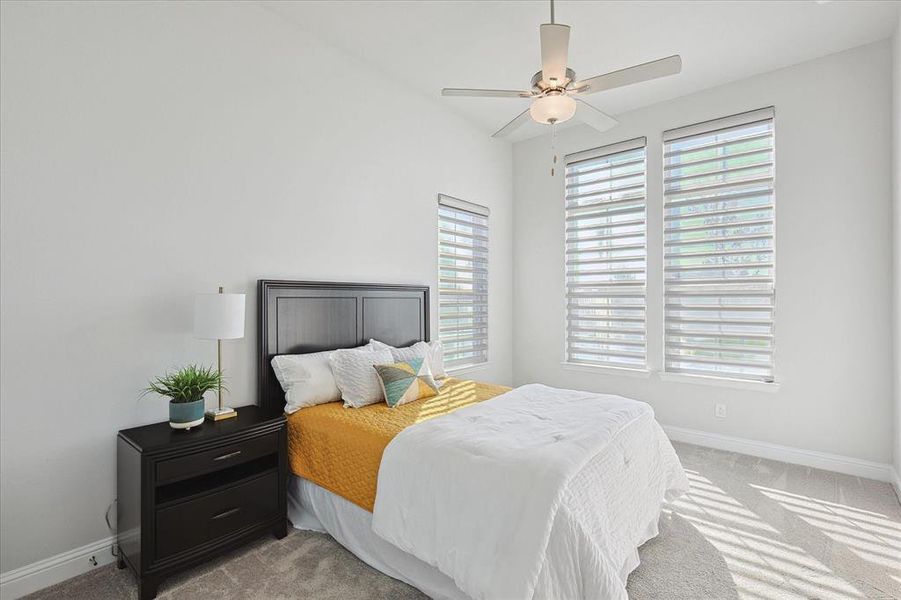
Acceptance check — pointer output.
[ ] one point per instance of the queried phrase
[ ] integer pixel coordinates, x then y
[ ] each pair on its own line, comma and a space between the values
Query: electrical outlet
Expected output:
719, 411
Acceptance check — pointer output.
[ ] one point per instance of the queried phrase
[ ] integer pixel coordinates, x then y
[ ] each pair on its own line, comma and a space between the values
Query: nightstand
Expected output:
186, 496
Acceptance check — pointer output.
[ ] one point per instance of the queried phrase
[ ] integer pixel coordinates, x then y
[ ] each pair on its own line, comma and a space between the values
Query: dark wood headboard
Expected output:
298, 317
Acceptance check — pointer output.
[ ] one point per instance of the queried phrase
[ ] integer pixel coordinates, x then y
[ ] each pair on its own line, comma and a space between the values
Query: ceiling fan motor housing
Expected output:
541, 86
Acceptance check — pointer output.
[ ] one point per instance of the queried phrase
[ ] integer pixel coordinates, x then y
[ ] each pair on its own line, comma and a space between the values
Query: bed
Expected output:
479, 492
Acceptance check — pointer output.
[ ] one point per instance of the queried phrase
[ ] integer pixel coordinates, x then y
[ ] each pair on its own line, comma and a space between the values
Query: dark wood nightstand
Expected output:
185, 496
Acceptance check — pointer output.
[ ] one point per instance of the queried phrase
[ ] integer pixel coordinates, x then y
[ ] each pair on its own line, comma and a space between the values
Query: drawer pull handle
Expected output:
229, 455
227, 513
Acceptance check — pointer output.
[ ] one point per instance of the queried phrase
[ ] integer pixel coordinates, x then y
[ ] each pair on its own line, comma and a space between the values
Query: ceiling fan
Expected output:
555, 87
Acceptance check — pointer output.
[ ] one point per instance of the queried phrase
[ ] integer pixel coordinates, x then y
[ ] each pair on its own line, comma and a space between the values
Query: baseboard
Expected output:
798, 456
896, 483
44, 573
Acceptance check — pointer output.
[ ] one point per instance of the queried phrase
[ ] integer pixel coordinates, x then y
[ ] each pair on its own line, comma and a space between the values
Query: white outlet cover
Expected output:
719, 410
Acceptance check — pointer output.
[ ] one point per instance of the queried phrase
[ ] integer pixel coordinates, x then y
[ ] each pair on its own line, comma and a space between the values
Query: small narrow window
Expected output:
462, 282
719, 252
606, 256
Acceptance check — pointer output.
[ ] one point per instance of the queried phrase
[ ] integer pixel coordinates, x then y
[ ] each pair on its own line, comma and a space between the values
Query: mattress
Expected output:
340, 449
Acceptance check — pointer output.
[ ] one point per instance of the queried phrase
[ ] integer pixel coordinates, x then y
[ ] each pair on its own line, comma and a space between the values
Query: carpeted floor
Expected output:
749, 528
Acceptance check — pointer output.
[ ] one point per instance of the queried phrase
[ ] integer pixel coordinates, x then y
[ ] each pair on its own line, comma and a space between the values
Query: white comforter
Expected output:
539, 492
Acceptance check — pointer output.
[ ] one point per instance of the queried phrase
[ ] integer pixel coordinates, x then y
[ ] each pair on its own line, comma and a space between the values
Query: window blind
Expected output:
462, 281
606, 255
719, 276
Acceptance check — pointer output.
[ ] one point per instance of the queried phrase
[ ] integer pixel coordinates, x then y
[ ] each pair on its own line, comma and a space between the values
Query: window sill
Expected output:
468, 368
605, 370
739, 384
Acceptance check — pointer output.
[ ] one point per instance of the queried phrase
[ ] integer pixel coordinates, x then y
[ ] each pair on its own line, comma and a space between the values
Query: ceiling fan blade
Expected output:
554, 50
485, 93
593, 117
671, 65
513, 125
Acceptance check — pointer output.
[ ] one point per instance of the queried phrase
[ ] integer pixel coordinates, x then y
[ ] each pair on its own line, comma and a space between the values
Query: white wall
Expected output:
153, 150
833, 232
896, 193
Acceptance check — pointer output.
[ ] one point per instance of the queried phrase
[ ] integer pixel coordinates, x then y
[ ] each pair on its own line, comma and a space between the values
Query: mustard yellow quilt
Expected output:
340, 449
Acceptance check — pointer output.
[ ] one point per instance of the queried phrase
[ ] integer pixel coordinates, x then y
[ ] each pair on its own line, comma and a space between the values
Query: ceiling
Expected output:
432, 44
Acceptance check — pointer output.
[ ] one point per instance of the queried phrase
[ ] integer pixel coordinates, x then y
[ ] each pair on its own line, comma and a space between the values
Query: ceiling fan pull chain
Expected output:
554, 146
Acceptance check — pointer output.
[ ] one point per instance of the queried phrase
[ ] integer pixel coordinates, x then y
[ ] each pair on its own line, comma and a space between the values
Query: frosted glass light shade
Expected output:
219, 316
554, 108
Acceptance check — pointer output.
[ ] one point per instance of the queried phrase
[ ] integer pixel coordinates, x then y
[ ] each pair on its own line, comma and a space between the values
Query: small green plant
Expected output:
187, 384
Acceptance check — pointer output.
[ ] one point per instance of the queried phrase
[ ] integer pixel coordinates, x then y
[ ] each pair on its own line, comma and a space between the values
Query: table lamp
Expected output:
219, 317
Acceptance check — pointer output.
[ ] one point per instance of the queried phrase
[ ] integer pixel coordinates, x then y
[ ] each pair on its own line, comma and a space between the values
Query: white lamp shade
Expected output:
219, 316
553, 108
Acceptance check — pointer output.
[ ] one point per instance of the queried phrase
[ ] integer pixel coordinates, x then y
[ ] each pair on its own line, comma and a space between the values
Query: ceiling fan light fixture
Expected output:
552, 108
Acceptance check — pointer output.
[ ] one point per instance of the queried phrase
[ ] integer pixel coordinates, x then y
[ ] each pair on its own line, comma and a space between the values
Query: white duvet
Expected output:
538, 493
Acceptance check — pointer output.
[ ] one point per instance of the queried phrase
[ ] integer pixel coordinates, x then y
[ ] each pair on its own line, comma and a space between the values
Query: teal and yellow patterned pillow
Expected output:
406, 381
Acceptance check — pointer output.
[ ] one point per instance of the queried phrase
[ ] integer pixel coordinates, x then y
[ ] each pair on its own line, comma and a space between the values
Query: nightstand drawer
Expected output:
199, 463
194, 522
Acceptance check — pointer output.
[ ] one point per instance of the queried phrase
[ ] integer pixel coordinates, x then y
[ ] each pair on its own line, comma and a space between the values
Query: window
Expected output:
462, 282
718, 247
606, 256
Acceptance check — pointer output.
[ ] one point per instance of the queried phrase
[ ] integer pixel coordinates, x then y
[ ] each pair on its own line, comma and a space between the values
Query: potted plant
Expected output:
185, 389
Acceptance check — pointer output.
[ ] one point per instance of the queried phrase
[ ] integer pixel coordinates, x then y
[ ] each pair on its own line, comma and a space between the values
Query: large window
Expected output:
718, 247
606, 250
462, 282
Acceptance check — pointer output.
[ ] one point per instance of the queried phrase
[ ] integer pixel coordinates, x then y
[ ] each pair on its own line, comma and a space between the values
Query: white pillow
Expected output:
307, 379
436, 359
355, 376
432, 351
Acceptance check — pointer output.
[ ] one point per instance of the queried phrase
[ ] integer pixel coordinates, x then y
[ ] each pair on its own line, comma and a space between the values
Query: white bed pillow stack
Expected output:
321, 377
433, 352
355, 376
307, 379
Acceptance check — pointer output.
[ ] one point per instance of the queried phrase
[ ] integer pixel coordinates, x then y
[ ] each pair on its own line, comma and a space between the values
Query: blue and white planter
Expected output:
185, 415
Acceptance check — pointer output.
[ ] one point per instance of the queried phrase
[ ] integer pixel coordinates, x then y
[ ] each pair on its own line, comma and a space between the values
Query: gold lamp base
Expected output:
220, 414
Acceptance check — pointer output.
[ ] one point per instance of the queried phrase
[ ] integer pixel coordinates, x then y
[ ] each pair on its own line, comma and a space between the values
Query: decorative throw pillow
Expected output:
307, 379
355, 376
406, 381
433, 351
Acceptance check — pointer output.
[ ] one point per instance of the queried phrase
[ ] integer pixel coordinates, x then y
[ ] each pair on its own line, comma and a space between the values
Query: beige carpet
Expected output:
750, 528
